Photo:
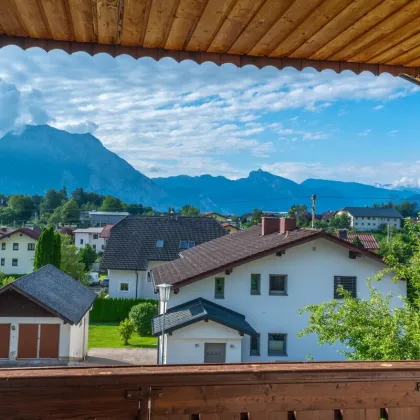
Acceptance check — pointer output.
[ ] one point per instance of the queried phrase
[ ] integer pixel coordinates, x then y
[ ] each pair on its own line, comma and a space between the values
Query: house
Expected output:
230, 227
101, 218
219, 217
367, 239
17, 249
45, 315
91, 236
369, 218
139, 243
106, 232
236, 298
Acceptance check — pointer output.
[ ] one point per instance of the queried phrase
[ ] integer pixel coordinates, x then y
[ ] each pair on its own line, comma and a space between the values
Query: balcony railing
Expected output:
286, 391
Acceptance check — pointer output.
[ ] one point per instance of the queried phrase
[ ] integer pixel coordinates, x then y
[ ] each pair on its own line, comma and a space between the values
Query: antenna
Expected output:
313, 209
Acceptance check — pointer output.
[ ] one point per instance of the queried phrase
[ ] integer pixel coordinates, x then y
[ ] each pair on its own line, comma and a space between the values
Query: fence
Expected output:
298, 391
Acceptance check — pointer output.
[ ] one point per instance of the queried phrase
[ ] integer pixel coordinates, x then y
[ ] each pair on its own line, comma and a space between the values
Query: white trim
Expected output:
124, 291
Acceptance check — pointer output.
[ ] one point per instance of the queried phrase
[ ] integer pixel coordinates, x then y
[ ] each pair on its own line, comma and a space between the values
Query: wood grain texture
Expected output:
269, 415
82, 18
405, 413
10, 19
408, 57
32, 18
58, 20
107, 15
135, 17
315, 415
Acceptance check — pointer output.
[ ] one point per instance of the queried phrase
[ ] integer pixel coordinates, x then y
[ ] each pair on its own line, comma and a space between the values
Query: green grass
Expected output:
105, 335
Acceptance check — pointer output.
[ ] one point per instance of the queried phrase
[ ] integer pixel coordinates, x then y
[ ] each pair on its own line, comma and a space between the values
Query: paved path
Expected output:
122, 357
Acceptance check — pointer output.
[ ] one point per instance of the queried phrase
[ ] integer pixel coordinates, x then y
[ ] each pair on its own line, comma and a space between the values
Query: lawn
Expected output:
105, 335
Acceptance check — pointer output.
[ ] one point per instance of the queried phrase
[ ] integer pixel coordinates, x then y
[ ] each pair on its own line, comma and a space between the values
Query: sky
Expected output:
167, 118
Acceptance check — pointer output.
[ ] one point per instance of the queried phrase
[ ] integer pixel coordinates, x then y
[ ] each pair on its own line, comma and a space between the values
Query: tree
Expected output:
87, 255
340, 221
48, 249
52, 200
112, 204
356, 241
256, 216
125, 330
301, 214
70, 262
22, 205
70, 212
370, 329
188, 210
56, 217
141, 316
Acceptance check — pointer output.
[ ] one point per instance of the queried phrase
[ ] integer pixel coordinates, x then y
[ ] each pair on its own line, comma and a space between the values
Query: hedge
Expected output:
114, 309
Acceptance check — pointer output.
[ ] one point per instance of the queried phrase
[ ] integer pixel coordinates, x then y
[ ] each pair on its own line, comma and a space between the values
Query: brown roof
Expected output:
367, 239
32, 233
233, 250
106, 231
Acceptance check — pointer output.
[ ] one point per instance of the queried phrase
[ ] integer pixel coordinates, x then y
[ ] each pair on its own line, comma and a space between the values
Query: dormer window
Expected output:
160, 243
186, 244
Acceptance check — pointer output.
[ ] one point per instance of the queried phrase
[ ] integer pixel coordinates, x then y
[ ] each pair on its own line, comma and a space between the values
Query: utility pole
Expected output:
313, 209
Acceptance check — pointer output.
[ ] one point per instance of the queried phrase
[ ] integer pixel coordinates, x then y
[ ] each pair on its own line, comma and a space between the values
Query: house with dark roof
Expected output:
372, 218
237, 298
17, 249
45, 315
136, 244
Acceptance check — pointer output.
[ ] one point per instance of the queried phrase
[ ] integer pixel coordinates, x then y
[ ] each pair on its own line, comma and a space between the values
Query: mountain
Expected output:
42, 157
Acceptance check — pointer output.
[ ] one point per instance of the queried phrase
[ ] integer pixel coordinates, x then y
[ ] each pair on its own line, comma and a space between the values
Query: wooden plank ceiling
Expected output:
374, 35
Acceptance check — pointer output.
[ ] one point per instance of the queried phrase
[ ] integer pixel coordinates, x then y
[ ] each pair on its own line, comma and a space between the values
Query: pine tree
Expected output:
57, 249
48, 249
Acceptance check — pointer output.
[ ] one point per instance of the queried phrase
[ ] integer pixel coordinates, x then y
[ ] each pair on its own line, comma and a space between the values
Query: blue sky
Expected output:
167, 118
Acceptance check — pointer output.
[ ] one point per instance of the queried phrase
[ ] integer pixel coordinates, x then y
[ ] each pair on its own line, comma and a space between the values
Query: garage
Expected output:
38, 341
4, 341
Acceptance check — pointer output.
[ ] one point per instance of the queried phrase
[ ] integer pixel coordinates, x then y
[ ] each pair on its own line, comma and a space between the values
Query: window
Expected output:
277, 344
186, 244
31, 247
95, 236
255, 346
278, 284
160, 243
14, 262
219, 288
349, 283
255, 284
124, 287
94, 246
3, 246
369, 224
81, 241
15, 247
149, 276
103, 246
2, 262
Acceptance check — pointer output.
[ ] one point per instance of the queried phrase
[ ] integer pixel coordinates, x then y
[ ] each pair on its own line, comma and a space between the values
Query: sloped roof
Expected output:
55, 291
200, 310
372, 212
97, 230
133, 240
367, 239
236, 249
106, 231
32, 233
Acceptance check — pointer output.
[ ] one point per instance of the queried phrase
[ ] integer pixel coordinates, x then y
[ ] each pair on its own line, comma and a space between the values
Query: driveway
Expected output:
121, 357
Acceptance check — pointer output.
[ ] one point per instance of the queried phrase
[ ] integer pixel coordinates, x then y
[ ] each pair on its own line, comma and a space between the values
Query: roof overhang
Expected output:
379, 36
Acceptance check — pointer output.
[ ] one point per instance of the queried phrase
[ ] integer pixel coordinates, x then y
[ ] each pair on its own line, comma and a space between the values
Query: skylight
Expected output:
186, 244
160, 243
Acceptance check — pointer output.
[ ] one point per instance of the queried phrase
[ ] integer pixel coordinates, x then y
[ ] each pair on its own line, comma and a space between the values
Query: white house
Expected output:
139, 243
236, 298
45, 315
17, 249
91, 236
369, 218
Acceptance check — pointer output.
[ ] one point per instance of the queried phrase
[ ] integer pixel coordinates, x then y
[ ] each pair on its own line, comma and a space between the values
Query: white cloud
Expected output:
378, 107
365, 132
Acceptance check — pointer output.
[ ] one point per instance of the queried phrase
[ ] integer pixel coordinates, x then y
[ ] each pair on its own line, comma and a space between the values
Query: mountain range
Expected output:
42, 157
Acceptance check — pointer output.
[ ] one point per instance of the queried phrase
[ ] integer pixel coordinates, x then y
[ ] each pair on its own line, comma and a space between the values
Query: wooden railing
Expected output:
299, 391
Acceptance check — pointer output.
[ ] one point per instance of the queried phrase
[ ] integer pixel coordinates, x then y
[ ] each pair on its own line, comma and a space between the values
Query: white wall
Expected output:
64, 344
79, 336
372, 223
310, 268
25, 257
181, 345
87, 238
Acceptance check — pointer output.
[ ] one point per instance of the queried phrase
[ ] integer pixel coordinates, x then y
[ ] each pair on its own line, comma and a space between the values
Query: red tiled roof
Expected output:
367, 239
32, 233
244, 246
106, 231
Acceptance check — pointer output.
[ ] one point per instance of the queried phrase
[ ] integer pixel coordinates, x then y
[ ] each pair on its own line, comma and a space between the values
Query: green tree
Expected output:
57, 216
299, 212
112, 204
87, 255
57, 250
46, 249
256, 216
188, 210
126, 330
22, 205
70, 262
340, 221
52, 200
356, 241
70, 212
141, 316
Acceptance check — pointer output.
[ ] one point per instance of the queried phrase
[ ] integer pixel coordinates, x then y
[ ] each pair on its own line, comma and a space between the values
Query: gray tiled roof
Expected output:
372, 212
52, 288
199, 310
133, 240
235, 249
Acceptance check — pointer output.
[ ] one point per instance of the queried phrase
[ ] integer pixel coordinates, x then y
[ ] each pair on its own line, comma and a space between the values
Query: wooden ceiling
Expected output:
373, 35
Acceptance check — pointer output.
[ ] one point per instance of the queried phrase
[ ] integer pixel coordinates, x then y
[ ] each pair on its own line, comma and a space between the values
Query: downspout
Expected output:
137, 284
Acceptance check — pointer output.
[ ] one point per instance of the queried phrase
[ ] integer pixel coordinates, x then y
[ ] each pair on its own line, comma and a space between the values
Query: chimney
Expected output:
270, 225
287, 224
342, 234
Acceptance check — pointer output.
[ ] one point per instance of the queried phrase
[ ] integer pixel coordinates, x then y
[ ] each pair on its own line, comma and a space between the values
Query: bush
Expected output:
125, 330
142, 315
114, 309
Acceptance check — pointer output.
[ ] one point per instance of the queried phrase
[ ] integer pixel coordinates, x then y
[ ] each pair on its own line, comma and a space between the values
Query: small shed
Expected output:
45, 315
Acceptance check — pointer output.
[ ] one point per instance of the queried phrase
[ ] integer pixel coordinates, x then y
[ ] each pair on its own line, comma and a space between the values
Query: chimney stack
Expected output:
287, 224
269, 225
342, 234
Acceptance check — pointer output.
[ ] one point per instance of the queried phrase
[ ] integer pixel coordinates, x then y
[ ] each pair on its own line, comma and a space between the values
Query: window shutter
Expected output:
349, 283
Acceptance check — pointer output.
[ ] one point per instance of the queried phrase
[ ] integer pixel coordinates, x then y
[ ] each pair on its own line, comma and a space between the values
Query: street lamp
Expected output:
164, 294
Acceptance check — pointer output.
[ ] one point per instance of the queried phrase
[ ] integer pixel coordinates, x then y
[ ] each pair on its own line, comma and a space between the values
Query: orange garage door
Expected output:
28, 341
4, 341
50, 337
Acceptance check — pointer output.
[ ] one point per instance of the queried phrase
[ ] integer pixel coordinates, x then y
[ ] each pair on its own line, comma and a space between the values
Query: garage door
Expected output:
4, 341
49, 341
28, 341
